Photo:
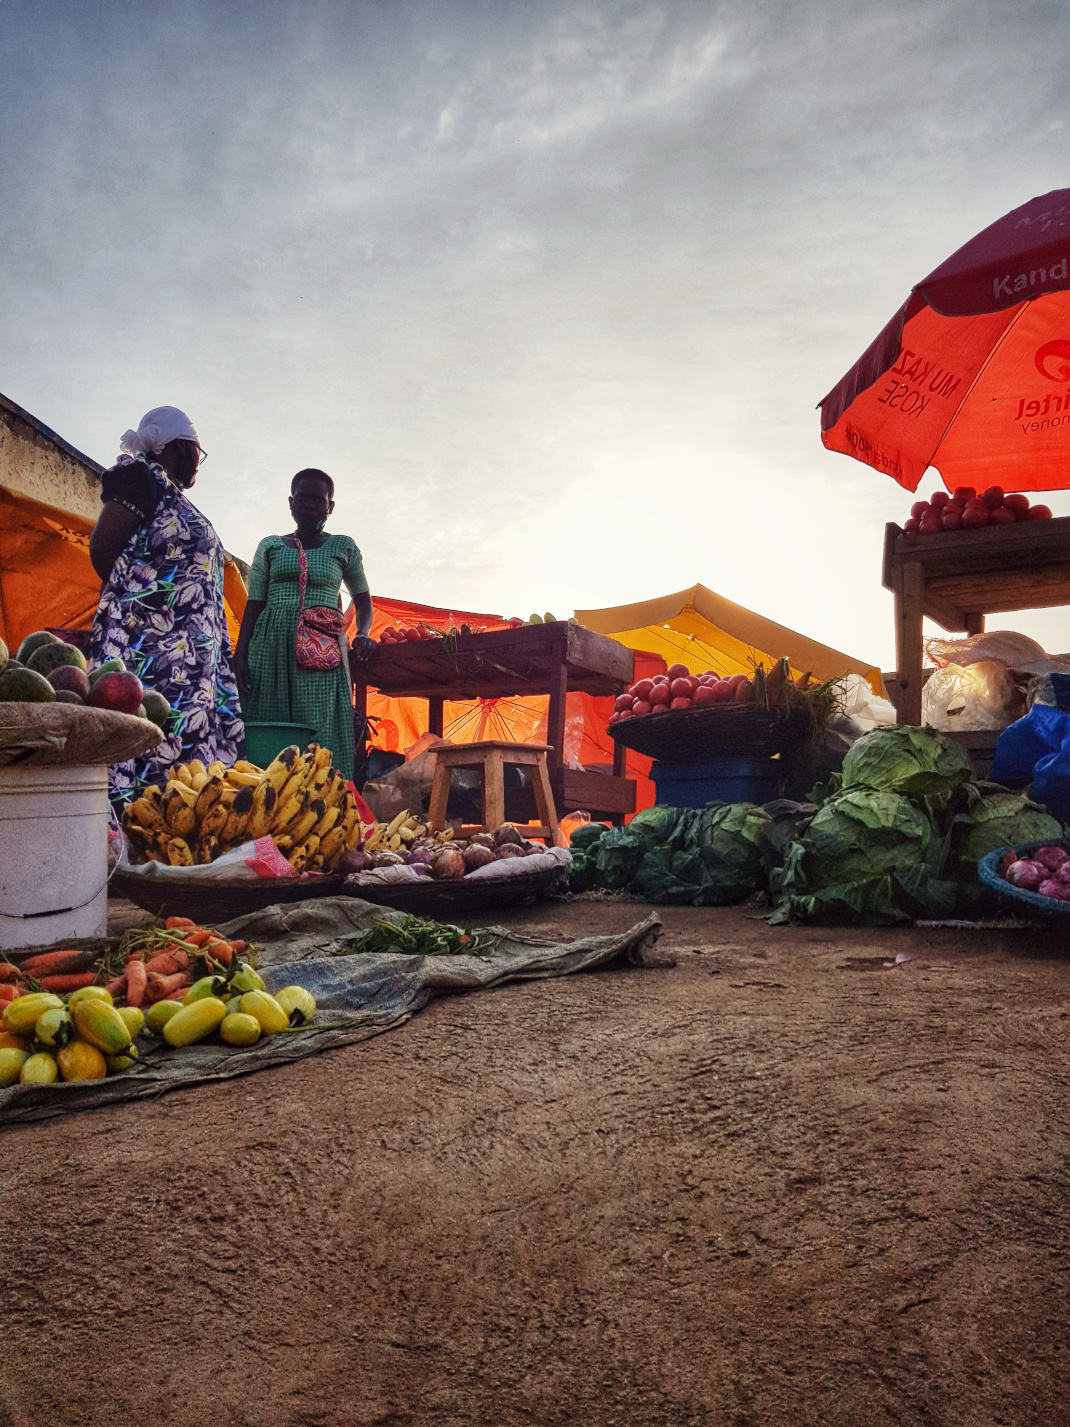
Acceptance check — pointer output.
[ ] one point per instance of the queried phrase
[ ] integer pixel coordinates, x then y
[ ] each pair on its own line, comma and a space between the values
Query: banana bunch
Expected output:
303, 803
402, 830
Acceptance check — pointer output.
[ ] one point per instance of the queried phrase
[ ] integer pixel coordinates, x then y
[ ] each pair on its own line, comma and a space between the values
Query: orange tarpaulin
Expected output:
46, 579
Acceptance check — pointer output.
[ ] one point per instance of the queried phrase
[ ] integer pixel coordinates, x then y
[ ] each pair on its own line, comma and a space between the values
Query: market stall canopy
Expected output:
972, 374
49, 499
705, 631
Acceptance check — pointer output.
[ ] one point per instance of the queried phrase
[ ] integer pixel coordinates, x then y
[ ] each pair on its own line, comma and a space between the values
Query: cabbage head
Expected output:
917, 762
998, 817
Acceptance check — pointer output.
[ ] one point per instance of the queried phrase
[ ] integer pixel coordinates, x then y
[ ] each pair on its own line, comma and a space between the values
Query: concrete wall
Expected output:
37, 463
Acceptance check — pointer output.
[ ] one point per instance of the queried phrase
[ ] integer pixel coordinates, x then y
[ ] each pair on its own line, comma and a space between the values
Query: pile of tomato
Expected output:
390, 635
966, 510
677, 688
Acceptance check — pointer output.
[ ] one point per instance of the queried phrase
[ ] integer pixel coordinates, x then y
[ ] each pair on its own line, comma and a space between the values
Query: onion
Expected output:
423, 856
482, 839
1051, 857
507, 834
476, 855
448, 866
353, 862
1057, 891
1027, 873
507, 850
384, 859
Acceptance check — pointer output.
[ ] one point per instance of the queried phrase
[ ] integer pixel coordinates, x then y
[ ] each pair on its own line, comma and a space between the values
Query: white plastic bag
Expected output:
958, 700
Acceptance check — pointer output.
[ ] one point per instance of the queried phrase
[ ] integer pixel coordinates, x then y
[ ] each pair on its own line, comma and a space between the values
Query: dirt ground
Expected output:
787, 1182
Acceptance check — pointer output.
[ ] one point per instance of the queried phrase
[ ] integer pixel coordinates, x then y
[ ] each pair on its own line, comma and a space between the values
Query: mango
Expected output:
102, 1026
90, 993
22, 1014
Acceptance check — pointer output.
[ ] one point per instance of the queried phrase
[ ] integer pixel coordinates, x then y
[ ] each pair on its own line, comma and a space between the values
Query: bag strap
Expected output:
302, 574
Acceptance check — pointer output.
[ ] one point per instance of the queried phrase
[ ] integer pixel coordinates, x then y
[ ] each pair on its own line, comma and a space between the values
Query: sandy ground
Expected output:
787, 1182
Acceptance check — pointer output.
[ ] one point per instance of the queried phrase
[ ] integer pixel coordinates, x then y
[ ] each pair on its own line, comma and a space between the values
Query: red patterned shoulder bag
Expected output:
319, 629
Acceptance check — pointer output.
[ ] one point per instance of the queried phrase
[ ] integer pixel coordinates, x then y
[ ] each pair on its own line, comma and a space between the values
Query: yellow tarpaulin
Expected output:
46, 579
705, 631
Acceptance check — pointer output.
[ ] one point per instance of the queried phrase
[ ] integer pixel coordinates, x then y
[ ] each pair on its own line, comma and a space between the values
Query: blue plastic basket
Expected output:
696, 782
987, 870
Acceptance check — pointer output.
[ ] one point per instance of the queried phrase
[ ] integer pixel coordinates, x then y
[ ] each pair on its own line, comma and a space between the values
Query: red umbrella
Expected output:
972, 374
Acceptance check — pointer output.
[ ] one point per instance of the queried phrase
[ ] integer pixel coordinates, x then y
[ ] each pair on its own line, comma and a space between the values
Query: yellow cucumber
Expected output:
90, 993
54, 1028
101, 1025
21, 1015
195, 1021
81, 1061
133, 1017
11, 1063
234, 1005
40, 1069
266, 1010
160, 1014
299, 1004
206, 986
116, 1063
237, 1028
246, 979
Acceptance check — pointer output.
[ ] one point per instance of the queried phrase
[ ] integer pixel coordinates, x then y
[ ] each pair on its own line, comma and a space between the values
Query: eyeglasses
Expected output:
202, 456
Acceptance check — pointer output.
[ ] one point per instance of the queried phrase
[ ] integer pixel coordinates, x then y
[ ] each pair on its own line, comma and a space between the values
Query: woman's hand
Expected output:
360, 651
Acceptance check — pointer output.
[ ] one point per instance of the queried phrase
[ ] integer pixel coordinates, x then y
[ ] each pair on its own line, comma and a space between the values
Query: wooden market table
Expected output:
555, 659
958, 577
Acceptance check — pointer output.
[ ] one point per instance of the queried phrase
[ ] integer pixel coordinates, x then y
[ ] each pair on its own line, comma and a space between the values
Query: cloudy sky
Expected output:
551, 288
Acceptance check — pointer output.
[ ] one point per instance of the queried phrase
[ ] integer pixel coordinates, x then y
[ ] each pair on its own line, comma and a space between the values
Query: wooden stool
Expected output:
491, 759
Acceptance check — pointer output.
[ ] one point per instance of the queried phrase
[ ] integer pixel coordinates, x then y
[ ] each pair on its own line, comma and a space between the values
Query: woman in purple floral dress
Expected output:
161, 608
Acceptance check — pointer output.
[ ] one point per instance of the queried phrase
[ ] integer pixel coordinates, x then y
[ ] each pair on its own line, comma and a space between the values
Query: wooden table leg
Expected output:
493, 789
909, 591
434, 716
440, 796
975, 623
544, 799
555, 714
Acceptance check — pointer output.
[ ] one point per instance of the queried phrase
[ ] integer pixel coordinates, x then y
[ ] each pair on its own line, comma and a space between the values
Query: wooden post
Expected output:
434, 716
493, 790
975, 623
555, 715
909, 591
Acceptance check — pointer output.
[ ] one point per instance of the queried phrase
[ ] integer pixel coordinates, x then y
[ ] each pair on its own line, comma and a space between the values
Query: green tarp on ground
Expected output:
357, 996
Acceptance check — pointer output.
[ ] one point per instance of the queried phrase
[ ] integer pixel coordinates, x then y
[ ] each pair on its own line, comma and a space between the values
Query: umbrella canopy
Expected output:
972, 374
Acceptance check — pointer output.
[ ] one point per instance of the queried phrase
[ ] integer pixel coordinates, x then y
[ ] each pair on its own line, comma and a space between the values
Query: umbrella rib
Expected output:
977, 377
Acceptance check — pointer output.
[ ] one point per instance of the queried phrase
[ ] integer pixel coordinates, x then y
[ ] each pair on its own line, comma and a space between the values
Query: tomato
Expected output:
624, 713
724, 692
624, 701
964, 493
910, 527
389, 630
613, 718
680, 704
745, 692
1016, 503
1001, 516
682, 688
660, 694
677, 671
993, 497
939, 499
640, 707
929, 525
1039, 512
975, 515
918, 509
642, 689
705, 694
950, 518
412, 635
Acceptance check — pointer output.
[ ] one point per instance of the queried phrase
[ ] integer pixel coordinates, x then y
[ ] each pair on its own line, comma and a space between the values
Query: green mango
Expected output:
110, 666
33, 642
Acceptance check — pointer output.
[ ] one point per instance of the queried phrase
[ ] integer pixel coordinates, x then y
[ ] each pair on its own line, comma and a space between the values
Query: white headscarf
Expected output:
158, 427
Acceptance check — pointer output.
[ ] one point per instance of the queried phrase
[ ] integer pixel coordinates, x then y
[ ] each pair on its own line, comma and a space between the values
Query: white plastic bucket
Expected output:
53, 854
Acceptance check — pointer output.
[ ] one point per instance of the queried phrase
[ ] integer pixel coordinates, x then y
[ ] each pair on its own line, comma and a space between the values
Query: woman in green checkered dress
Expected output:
274, 689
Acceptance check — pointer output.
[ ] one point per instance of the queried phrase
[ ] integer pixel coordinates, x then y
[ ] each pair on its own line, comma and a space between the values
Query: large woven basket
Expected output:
212, 900
713, 730
449, 900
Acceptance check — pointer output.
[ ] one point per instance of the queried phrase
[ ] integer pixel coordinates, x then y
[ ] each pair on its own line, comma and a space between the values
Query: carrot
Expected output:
221, 950
159, 988
116, 986
200, 937
7, 993
136, 983
51, 963
67, 983
173, 922
7, 971
237, 946
168, 962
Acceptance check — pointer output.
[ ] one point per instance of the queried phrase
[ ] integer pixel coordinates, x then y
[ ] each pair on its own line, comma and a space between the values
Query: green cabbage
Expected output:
917, 762
997, 817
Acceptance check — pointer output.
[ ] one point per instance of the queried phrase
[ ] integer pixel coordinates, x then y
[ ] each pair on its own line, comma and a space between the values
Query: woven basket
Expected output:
212, 900
450, 900
988, 872
713, 730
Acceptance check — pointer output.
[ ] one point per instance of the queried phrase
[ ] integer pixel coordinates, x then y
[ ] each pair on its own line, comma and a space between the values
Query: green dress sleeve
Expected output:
260, 572
353, 576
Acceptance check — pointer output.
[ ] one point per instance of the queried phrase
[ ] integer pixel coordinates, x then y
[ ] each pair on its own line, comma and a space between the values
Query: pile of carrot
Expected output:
159, 971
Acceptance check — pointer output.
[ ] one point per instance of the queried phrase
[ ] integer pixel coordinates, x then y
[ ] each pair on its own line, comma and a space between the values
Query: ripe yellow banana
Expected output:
333, 845
265, 801
297, 859
181, 774
242, 765
283, 843
239, 778
195, 768
215, 822
327, 821
208, 797
207, 850
238, 816
279, 771
302, 826
216, 769
178, 853
144, 814
199, 780
311, 846
178, 813
289, 811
